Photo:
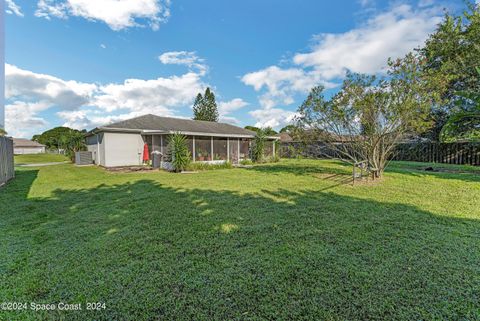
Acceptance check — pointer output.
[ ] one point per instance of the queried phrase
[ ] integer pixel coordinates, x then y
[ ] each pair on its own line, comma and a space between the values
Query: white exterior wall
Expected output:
121, 149
28, 150
96, 145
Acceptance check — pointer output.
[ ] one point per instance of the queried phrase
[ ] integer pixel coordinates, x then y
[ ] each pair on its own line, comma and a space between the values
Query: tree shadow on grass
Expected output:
150, 251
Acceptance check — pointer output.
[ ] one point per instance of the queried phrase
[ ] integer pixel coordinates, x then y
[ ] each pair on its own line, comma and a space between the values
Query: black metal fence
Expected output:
449, 153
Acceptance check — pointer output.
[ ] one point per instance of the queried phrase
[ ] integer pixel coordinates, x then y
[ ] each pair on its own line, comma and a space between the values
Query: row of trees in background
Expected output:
63, 140
432, 92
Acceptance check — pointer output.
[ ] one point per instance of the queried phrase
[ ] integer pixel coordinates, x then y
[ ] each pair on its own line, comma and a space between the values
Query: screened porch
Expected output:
209, 148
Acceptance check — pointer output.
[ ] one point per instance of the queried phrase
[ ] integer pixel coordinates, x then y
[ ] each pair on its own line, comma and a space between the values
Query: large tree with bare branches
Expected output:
369, 115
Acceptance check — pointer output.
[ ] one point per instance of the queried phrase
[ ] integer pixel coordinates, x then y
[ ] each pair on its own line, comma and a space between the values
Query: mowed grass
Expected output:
39, 158
291, 240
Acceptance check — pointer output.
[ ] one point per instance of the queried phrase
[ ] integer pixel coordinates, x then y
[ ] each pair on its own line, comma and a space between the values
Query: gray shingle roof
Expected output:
21, 142
169, 124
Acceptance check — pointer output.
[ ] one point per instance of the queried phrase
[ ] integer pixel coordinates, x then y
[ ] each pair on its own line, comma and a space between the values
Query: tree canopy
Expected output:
267, 130
205, 107
59, 137
368, 116
451, 55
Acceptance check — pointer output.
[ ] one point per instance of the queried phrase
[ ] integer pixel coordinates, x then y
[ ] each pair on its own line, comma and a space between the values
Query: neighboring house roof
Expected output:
155, 124
284, 137
21, 142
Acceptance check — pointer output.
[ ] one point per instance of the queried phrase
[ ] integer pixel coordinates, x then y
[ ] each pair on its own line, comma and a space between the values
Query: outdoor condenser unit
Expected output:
83, 158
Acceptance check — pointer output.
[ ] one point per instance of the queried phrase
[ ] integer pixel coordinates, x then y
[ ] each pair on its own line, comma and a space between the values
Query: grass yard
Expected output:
291, 240
39, 158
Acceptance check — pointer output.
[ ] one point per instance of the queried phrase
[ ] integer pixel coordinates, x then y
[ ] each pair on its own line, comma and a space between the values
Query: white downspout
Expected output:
98, 150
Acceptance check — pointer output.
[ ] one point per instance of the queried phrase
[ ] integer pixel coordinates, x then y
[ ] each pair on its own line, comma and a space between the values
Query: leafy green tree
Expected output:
55, 138
205, 107
258, 148
268, 130
464, 124
288, 129
178, 152
450, 56
2, 132
369, 116
252, 128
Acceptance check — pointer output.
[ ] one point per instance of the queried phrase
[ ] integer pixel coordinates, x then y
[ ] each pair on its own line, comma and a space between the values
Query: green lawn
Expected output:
39, 158
292, 240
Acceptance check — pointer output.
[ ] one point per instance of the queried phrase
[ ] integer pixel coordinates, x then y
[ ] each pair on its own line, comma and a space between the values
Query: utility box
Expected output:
83, 158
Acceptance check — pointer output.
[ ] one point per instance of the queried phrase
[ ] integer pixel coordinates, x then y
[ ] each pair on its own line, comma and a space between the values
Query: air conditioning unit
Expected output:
83, 158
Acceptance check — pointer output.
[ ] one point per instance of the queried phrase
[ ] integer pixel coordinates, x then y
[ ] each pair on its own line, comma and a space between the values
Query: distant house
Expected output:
122, 143
25, 146
284, 137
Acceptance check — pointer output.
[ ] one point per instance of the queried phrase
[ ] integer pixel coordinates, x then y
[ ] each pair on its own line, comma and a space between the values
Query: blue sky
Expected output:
84, 63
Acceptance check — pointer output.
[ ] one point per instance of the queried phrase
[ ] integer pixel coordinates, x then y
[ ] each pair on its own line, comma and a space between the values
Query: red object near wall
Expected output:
146, 154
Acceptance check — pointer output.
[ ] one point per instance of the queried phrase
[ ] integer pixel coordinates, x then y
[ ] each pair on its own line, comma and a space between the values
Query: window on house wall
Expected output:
203, 148
219, 148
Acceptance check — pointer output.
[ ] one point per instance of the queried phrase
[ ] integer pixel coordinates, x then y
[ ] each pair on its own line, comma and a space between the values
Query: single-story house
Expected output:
25, 146
122, 143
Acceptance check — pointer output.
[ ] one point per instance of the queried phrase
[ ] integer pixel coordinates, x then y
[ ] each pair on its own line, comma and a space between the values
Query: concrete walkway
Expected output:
41, 164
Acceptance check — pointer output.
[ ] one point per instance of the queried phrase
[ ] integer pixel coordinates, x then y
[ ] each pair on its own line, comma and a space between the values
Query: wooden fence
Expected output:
7, 170
448, 153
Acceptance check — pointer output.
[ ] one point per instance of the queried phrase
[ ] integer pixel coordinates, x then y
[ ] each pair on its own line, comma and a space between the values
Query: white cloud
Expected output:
117, 14
13, 8
366, 3
103, 46
364, 49
186, 58
272, 117
86, 105
425, 3
28, 86
282, 84
225, 108
154, 95
21, 119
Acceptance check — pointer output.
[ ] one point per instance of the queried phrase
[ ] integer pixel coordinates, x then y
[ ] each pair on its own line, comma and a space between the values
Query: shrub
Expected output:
207, 166
246, 162
179, 153
258, 148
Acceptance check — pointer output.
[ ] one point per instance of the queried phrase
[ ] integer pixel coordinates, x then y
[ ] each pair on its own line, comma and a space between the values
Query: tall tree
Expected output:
205, 107
451, 55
